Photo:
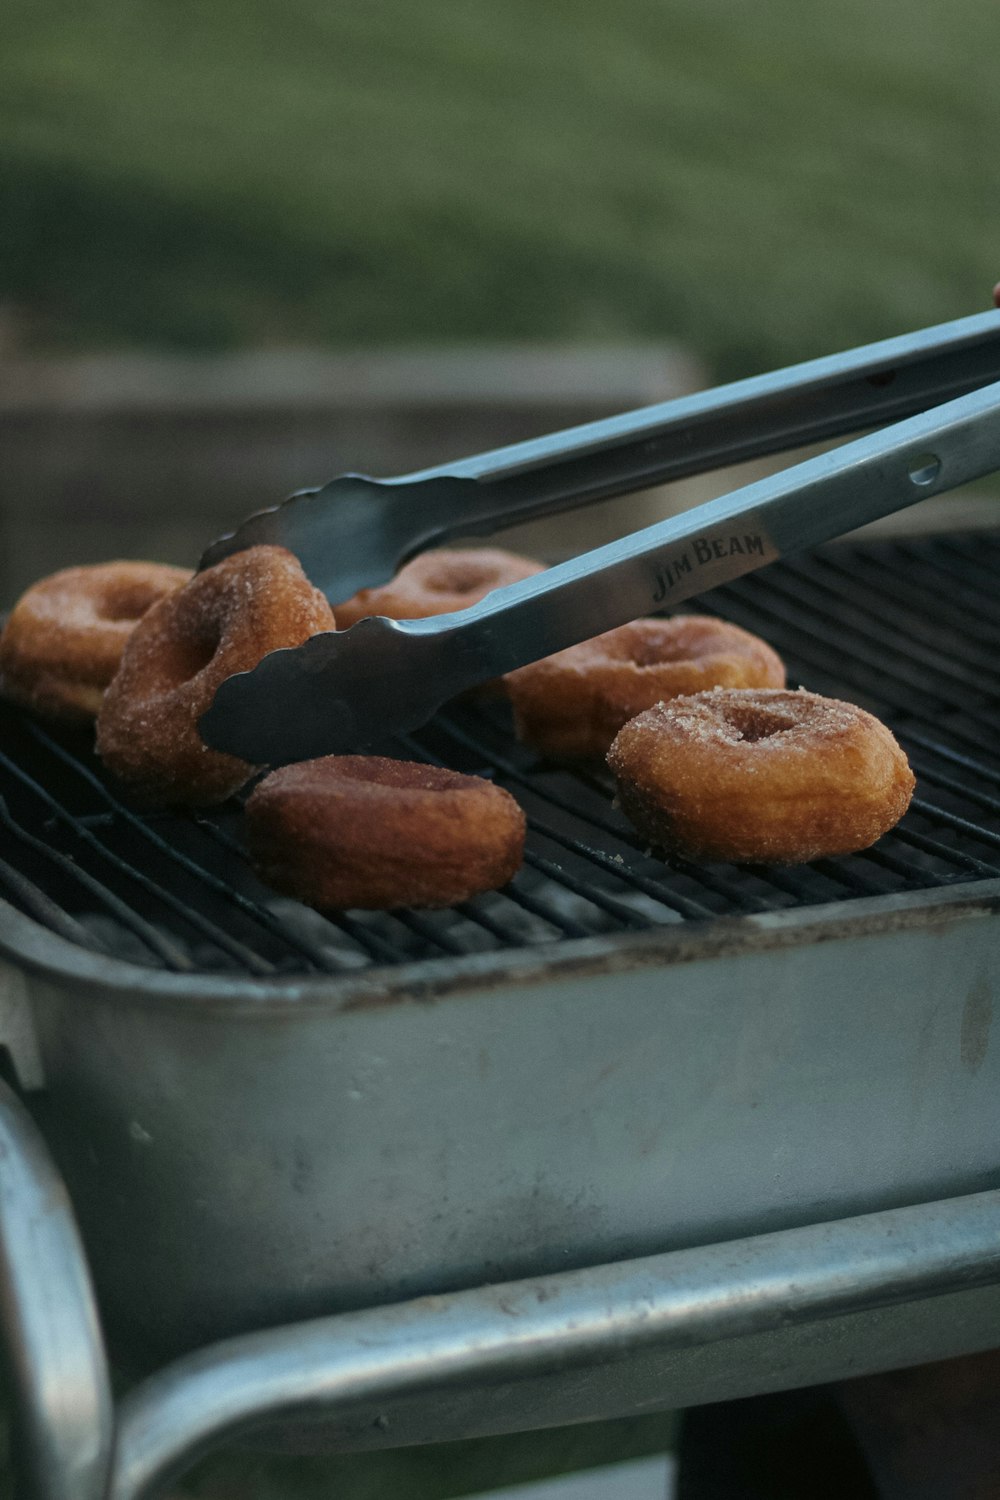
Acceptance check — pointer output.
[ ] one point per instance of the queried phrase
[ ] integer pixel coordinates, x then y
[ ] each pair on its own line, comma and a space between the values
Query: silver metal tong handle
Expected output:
346, 689
355, 531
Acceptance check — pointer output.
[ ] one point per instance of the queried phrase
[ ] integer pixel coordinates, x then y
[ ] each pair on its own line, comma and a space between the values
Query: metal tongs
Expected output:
346, 690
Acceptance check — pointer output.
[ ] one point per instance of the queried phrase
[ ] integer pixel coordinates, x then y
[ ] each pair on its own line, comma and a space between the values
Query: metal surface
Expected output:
265, 1115
356, 530
814, 1303
341, 690
910, 631
290, 1148
581, 1327
643, 1056
52, 1342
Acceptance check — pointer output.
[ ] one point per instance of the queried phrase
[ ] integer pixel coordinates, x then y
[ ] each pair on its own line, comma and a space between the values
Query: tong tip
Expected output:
339, 692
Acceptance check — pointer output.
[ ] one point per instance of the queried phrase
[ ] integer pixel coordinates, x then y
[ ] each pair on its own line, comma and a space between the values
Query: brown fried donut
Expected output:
573, 704
222, 622
760, 776
363, 831
65, 636
437, 582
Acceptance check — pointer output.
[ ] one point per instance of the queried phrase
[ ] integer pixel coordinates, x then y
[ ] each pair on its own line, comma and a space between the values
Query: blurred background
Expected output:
245, 246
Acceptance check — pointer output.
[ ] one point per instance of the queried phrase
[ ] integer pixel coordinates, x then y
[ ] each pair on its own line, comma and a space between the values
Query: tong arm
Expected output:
355, 531
345, 689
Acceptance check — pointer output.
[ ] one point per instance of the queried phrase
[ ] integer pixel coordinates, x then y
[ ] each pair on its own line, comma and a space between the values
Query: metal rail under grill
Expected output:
908, 629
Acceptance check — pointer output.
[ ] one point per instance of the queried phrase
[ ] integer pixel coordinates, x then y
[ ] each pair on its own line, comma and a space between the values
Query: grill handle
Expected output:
573, 1321
585, 1320
48, 1316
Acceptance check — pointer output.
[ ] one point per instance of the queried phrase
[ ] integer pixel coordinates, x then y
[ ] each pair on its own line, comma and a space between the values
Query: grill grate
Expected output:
907, 629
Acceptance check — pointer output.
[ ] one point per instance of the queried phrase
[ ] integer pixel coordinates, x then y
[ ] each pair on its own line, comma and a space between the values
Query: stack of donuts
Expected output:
713, 757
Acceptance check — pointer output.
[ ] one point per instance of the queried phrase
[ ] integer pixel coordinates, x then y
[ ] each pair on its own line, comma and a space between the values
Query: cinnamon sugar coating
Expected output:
64, 639
223, 621
571, 705
760, 777
438, 582
367, 832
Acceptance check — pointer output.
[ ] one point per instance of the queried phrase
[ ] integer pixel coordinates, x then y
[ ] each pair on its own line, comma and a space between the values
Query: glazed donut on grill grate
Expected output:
571, 705
438, 582
64, 639
223, 621
373, 833
760, 777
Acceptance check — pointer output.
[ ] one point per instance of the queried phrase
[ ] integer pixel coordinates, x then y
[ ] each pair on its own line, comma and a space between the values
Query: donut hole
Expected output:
655, 643
459, 578
650, 653
127, 601
753, 723
186, 656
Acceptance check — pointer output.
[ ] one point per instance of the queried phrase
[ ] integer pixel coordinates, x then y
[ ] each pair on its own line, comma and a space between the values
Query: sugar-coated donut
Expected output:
64, 639
364, 831
760, 777
573, 704
438, 582
222, 622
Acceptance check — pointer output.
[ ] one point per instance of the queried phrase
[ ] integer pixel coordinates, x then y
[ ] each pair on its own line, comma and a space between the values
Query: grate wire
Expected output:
876, 622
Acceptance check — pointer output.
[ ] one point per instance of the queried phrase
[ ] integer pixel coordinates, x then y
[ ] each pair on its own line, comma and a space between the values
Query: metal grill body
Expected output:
264, 1114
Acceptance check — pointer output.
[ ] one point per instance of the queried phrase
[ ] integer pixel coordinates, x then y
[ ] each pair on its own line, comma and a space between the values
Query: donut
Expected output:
223, 621
64, 639
367, 832
760, 776
438, 582
572, 704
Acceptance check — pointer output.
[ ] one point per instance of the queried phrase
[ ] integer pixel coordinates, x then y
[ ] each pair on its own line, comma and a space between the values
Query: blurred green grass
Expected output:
761, 182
